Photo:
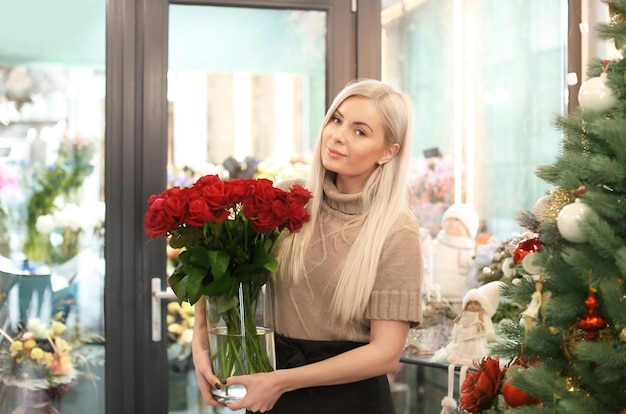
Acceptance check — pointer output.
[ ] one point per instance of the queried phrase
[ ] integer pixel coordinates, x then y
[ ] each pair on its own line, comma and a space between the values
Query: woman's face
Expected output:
353, 143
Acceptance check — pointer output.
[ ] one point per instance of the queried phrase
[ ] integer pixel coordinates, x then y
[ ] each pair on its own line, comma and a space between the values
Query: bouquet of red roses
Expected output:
227, 230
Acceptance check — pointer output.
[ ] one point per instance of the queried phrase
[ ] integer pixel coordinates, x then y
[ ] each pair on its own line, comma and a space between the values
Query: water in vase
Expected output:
239, 355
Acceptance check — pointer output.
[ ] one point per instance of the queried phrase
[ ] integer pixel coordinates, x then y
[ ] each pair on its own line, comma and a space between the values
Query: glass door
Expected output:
246, 106
236, 88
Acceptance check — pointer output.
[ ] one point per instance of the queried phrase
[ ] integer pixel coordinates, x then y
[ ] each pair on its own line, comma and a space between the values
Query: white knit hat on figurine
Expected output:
466, 214
488, 295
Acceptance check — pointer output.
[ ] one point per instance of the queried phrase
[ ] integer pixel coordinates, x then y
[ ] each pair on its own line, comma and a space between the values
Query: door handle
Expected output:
157, 296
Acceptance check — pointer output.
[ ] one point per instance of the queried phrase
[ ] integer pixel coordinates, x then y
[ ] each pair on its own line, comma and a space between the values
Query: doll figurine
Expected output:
453, 251
533, 311
471, 334
473, 328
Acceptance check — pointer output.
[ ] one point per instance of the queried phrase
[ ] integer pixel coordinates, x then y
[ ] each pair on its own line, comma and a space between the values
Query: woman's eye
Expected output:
336, 120
360, 133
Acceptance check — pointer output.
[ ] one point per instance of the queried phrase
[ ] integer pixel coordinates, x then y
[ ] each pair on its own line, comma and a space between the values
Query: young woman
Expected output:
348, 286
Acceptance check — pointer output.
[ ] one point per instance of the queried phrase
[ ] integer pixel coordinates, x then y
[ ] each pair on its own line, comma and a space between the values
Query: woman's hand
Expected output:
201, 358
379, 357
262, 391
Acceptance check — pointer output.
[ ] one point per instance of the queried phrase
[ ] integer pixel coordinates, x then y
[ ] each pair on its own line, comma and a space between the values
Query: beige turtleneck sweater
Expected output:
302, 309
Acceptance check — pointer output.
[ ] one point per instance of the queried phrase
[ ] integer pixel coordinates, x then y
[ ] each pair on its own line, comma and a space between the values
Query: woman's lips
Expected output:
333, 153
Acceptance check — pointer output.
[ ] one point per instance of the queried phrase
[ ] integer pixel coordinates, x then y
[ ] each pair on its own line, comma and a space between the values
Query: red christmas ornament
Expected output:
590, 322
515, 397
580, 190
525, 247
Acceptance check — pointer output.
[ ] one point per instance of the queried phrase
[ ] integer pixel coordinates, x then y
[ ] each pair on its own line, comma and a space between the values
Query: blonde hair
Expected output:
385, 200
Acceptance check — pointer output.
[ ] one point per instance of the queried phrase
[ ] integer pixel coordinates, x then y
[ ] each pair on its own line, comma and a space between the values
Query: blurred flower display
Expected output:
66, 225
55, 187
431, 183
8, 180
180, 321
298, 167
9, 185
44, 361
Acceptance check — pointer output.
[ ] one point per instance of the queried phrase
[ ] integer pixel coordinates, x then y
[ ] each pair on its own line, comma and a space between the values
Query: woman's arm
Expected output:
380, 356
200, 353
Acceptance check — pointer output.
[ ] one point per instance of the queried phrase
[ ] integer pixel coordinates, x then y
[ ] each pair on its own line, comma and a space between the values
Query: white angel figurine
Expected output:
471, 334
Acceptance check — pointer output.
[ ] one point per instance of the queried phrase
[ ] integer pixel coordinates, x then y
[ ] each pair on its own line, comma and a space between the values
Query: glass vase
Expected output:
241, 337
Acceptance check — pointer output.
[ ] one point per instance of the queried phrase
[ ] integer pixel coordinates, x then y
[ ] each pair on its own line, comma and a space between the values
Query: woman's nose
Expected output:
337, 134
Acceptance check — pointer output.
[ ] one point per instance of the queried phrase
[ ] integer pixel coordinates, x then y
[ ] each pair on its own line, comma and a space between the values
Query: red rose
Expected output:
481, 386
199, 211
260, 200
206, 180
250, 210
299, 194
298, 216
264, 192
264, 222
174, 204
238, 190
280, 208
216, 196
156, 221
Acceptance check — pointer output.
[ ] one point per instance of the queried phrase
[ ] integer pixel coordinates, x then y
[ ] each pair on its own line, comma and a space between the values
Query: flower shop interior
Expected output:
104, 103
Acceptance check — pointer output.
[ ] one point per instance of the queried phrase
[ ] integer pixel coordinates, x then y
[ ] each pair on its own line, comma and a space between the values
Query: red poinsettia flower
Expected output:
481, 386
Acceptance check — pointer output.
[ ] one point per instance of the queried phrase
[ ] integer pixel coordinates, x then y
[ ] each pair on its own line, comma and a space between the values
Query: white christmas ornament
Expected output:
508, 267
529, 265
568, 221
594, 95
541, 210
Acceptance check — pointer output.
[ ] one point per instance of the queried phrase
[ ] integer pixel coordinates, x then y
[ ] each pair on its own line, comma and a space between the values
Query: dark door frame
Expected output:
135, 159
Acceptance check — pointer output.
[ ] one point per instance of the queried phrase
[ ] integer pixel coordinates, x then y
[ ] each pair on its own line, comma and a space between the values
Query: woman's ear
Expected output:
390, 152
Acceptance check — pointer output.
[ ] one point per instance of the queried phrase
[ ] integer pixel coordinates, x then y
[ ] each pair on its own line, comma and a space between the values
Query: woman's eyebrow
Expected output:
365, 124
358, 123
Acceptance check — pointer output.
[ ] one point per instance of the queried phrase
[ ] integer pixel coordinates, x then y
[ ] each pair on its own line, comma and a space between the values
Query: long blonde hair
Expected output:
385, 199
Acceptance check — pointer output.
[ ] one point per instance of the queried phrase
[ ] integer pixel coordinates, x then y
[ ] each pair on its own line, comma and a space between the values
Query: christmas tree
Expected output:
570, 350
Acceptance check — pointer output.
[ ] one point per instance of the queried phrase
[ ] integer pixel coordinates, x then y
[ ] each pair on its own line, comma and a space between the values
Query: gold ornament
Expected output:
572, 384
571, 338
559, 198
574, 335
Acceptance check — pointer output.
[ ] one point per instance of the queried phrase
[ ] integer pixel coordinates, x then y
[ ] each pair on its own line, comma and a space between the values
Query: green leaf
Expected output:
185, 236
271, 265
218, 287
263, 259
194, 284
219, 261
199, 257
184, 257
177, 284
226, 303
188, 281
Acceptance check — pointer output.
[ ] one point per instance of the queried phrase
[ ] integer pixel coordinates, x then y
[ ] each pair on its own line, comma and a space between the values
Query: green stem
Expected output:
242, 350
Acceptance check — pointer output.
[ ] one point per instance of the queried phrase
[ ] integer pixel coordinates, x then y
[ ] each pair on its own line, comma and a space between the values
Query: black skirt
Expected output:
369, 396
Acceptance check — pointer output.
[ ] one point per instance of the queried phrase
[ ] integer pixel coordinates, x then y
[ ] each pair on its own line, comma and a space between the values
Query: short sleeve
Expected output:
397, 293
